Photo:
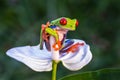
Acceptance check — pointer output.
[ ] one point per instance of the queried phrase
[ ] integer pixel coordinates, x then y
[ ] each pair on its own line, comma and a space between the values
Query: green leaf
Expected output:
103, 74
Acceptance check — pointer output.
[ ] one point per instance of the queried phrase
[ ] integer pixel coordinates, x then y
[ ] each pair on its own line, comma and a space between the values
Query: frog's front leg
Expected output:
54, 33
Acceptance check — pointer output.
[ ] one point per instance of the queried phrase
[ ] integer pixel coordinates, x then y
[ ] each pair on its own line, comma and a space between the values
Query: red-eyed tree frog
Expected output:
58, 29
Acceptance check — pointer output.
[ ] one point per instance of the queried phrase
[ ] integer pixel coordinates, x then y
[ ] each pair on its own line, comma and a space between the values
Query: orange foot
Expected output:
57, 45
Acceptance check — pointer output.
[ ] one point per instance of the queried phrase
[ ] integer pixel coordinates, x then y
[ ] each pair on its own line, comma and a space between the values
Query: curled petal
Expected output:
33, 57
75, 61
69, 57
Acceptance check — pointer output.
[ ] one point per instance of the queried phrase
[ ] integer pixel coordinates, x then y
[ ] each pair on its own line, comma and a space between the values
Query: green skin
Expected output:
70, 26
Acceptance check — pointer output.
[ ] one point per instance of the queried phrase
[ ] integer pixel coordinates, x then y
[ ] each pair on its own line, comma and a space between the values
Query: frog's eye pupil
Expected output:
77, 23
63, 21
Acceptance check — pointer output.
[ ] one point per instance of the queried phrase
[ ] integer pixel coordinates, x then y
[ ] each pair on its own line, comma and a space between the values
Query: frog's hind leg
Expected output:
67, 44
71, 46
75, 47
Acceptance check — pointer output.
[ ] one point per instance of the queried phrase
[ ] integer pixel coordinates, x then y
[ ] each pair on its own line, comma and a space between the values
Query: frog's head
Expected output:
65, 23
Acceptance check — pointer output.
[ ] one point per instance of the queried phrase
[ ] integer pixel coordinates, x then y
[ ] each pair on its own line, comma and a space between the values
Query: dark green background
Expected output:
20, 21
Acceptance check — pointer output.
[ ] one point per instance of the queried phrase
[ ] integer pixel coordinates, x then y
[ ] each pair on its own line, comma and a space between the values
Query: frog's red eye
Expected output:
63, 21
77, 23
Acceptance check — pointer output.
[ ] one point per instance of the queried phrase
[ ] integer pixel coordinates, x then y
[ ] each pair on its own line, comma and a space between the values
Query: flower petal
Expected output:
79, 59
69, 56
33, 57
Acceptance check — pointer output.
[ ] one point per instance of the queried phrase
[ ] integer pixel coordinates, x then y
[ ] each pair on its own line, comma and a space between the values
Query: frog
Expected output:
58, 28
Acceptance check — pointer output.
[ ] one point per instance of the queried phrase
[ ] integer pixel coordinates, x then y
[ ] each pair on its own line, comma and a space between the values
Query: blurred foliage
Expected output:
104, 74
20, 21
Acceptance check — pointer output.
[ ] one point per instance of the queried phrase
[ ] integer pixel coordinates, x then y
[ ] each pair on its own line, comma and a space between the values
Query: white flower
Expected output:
41, 60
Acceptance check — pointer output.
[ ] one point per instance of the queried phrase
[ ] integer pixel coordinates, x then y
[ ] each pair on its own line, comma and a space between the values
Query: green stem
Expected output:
54, 67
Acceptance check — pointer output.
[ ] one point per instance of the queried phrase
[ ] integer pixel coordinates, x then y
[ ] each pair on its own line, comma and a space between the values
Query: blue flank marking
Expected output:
68, 41
53, 26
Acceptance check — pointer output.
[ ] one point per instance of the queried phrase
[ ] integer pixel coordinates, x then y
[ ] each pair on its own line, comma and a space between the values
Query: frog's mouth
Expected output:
63, 28
69, 29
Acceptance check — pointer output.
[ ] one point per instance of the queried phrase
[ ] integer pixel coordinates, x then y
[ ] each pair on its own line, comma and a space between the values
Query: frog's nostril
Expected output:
63, 21
77, 23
